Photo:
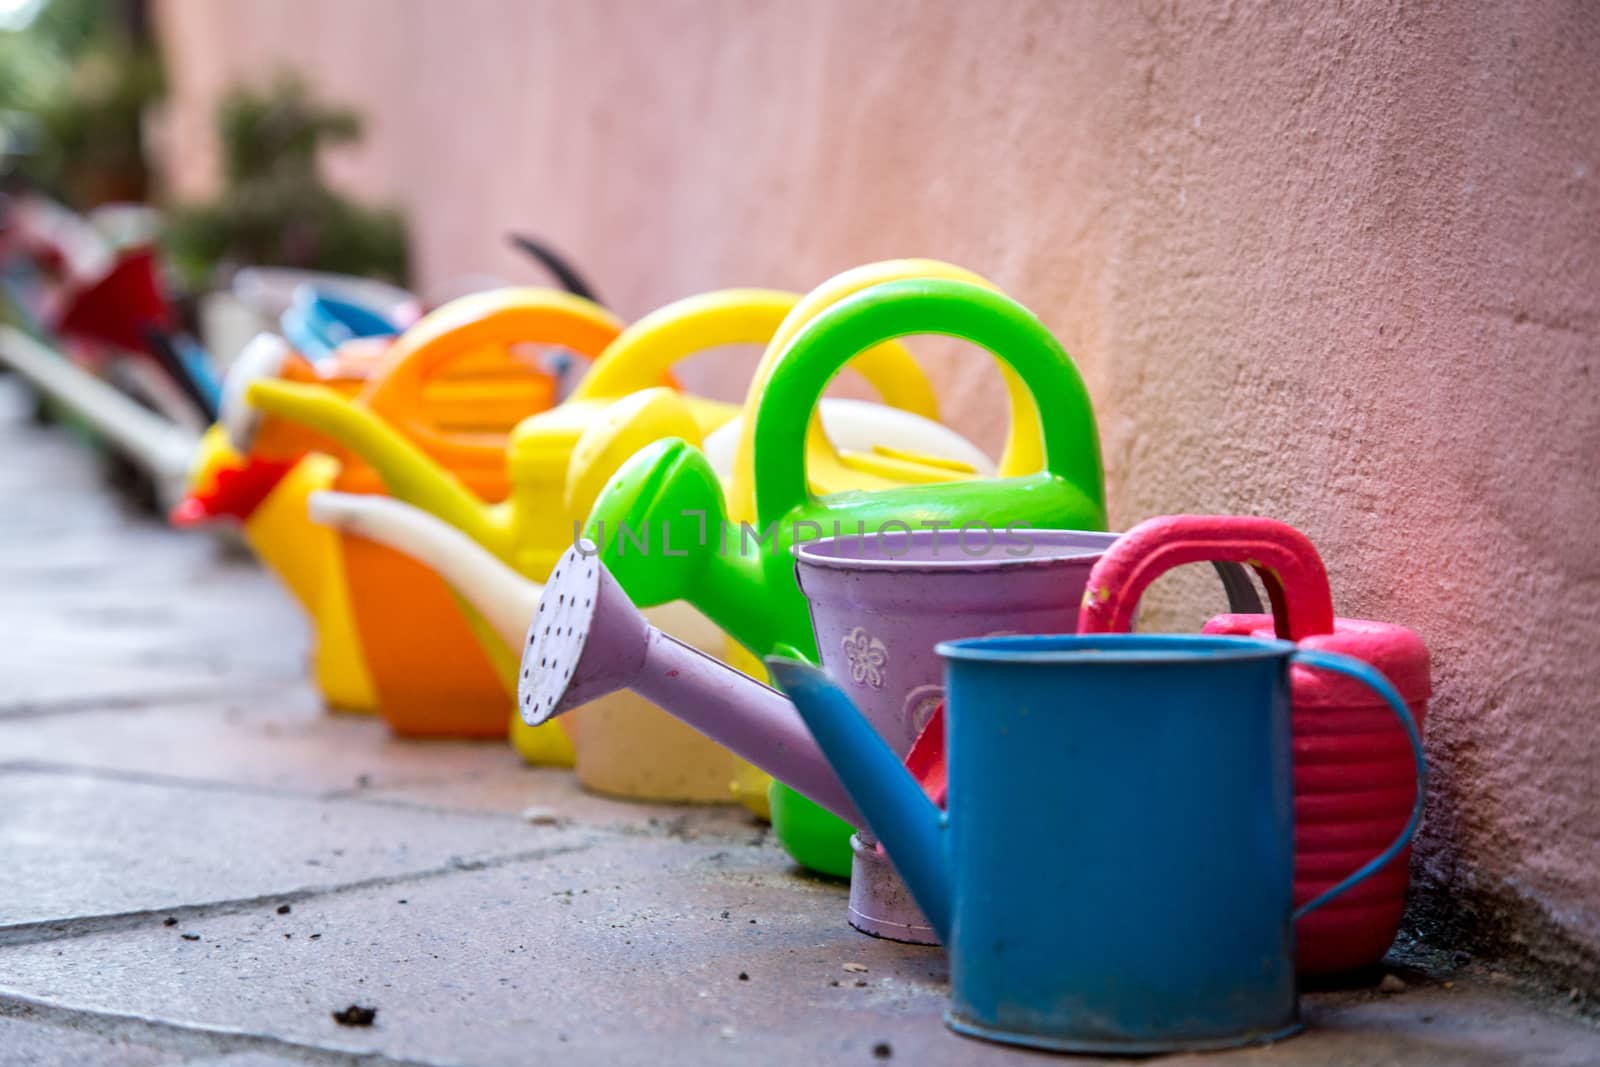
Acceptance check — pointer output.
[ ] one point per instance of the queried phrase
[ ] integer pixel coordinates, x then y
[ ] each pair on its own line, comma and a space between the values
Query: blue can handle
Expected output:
1373, 679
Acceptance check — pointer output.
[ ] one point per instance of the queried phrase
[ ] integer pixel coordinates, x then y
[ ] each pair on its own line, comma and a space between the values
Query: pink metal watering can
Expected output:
1353, 767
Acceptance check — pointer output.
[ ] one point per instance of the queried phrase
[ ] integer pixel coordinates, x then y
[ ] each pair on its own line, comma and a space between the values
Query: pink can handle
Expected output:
1287, 562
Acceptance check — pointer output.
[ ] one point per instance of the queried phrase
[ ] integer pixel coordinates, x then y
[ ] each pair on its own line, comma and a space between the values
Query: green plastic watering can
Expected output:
661, 523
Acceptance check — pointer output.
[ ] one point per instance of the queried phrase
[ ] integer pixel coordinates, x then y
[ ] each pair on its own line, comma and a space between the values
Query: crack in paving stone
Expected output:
373, 793
189, 1039
160, 781
662, 830
361, 794
199, 693
46, 930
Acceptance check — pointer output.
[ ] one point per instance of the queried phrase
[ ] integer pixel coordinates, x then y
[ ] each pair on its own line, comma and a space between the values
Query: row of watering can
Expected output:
97, 335
467, 532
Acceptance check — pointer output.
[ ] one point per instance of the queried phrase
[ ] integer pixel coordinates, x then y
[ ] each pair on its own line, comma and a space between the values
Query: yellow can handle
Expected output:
646, 351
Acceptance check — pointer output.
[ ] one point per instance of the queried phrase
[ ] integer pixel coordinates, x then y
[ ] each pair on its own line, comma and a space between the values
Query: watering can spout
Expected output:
409, 473
505, 599
896, 809
588, 639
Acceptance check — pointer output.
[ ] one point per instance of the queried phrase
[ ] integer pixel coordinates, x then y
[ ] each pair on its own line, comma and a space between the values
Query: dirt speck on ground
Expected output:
355, 1015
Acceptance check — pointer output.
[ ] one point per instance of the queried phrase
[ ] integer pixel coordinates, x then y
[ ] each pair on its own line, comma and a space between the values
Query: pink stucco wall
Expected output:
1341, 267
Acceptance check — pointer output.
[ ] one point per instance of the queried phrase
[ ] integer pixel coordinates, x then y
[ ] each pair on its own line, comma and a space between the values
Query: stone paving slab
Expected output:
42, 1045
620, 952
65, 1041
62, 685
179, 622
271, 738
175, 629
612, 954
85, 845
506, 786
282, 740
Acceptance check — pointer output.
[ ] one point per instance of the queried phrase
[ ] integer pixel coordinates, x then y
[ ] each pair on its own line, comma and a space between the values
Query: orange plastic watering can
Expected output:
452, 387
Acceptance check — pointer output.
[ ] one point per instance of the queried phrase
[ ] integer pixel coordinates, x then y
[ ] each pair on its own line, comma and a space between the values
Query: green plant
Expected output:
274, 208
75, 80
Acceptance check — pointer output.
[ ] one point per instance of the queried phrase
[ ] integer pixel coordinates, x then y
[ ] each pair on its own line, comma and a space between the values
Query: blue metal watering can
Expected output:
1114, 873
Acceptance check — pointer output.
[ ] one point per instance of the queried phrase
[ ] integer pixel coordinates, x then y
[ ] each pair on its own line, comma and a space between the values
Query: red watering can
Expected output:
117, 308
1354, 774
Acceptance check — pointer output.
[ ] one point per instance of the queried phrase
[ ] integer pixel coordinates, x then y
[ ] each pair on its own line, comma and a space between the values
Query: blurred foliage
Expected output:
274, 208
74, 84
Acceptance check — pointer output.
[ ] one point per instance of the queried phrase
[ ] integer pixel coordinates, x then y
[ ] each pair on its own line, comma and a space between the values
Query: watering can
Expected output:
267, 499
558, 265
267, 292
320, 320
316, 323
1114, 871
109, 313
587, 640
742, 576
1352, 764
559, 460
454, 385
124, 312
157, 446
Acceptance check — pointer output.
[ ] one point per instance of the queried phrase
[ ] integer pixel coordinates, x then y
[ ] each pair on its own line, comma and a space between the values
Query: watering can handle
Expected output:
1288, 564
500, 317
1373, 679
1021, 454
991, 320
644, 353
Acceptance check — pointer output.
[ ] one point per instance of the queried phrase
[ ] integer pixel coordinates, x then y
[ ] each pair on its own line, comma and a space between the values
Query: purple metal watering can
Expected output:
879, 603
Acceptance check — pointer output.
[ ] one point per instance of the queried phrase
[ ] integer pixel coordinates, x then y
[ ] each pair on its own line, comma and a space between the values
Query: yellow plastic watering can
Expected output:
559, 461
269, 501
267, 497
